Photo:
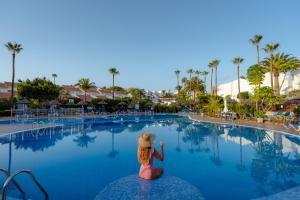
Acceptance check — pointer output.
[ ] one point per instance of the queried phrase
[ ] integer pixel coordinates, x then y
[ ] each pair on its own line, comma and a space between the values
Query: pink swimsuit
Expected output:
147, 171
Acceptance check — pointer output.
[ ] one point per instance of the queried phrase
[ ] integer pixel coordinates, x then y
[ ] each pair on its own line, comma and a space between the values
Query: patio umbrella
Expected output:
122, 104
292, 100
23, 101
149, 104
54, 103
102, 103
83, 103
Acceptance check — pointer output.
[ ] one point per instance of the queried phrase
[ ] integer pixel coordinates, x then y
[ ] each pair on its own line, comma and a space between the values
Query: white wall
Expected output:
231, 88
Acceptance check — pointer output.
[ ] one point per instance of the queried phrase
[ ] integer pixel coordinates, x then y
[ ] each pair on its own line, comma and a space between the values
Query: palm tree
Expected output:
113, 71
282, 63
184, 81
204, 73
190, 72
177, 73
238, 61
197, 73
85, 84
270, 48
255, 41
210, 65
54, 77
14, 48
214, 65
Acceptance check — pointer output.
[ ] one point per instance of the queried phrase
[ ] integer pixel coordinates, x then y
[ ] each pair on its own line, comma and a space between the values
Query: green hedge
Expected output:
162, 108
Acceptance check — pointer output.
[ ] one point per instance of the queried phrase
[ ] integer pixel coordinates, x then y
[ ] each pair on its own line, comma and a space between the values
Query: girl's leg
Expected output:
158, 172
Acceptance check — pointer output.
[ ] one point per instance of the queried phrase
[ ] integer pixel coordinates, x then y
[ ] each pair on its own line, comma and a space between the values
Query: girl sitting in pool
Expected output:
146, 152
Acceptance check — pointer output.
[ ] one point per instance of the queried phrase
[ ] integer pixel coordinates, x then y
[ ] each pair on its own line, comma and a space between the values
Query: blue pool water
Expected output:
95, 158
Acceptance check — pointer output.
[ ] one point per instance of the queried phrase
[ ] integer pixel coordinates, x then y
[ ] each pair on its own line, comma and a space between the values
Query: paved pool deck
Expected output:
13, 128
253, 123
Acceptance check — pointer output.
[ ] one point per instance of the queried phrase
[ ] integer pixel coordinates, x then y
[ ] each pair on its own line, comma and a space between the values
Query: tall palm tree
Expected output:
238, 61
85, 84
255, 41
197, 73
211, 66
184, 81
113, 71
214, 64
190, 72
270, 49
204, 73
177, 73
14, 48
54, 77
282, 63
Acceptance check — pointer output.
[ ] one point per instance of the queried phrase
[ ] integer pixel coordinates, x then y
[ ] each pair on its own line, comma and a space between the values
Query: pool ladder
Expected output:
11, 178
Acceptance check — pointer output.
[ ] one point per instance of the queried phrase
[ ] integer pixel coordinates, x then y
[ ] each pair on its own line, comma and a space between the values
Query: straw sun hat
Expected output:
146, 140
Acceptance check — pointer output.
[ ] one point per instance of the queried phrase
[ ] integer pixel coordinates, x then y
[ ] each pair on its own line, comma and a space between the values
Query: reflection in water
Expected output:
273, 170
265, 162
270, 167
83, 140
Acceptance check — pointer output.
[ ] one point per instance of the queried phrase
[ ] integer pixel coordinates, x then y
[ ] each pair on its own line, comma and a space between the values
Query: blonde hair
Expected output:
143, 155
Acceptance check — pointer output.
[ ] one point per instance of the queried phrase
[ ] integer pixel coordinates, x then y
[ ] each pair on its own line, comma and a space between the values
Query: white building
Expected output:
292, 82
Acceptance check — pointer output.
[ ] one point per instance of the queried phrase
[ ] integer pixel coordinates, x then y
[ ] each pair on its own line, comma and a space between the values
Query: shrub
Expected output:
243, 95
4, 104
296, 111
259, 114
162, 108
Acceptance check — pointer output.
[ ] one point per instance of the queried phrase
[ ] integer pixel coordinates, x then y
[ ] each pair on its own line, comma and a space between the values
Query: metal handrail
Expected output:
7, 174
11, 177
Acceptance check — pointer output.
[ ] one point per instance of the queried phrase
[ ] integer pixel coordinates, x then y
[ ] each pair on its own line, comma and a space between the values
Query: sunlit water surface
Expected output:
202, 161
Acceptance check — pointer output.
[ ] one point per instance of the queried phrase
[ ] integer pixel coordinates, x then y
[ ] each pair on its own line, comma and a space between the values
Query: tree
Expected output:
265, 97
256, 75
136, 94
85, 84
238, 61
190, 72
113, 71
282, 63
197, 73
195, 87
204, 73
255, 41
14, 48
214, 105
210, 65
271, 48
177, 73
214, 64
40, 89
54, 77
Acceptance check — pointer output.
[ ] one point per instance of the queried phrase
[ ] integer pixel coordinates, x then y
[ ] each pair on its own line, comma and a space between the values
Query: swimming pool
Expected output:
95, 158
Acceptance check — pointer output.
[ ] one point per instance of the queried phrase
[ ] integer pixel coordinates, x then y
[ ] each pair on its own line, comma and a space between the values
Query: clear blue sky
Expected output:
145, 39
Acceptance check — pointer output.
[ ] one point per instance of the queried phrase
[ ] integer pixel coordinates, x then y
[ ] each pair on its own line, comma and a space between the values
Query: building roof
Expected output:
93, 90
104, 91
70, 88
5, 95
6, 84
88, 97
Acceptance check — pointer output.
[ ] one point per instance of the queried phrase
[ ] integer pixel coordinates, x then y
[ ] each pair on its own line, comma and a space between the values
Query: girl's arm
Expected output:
160, 156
